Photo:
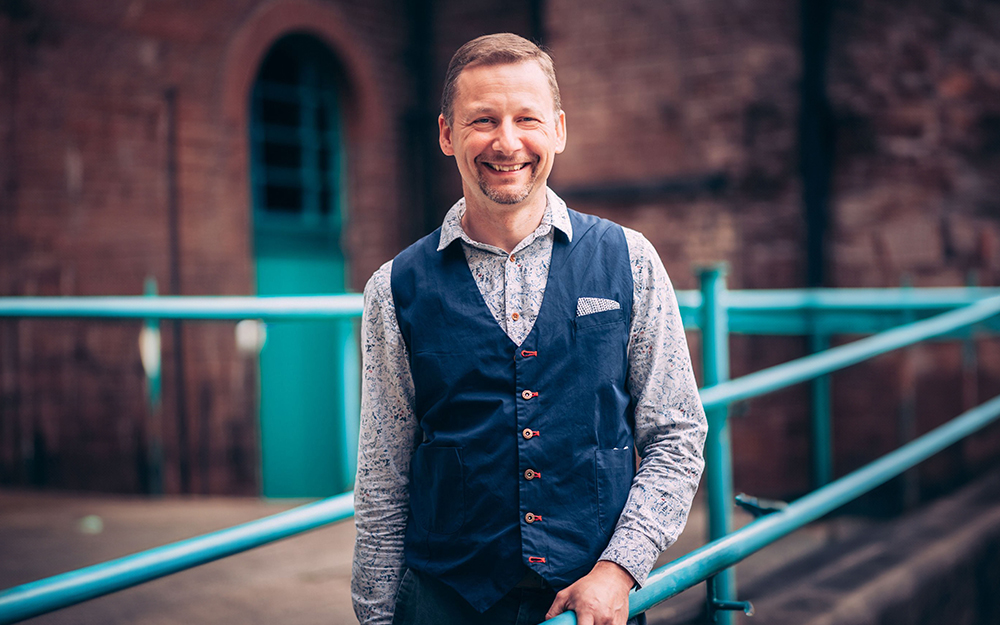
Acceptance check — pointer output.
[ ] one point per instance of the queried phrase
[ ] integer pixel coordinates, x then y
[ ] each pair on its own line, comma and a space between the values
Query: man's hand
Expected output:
598, 598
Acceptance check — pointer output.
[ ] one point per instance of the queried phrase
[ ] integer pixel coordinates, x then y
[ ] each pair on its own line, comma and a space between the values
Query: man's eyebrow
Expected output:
479, 111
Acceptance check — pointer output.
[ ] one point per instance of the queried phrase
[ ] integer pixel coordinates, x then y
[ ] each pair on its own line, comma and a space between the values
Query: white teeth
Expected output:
506, 168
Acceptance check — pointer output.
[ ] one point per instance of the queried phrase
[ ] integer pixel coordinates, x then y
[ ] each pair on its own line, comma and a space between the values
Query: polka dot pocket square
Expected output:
591, 305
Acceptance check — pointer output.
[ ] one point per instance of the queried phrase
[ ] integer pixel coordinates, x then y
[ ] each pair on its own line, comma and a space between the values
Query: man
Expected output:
514, 361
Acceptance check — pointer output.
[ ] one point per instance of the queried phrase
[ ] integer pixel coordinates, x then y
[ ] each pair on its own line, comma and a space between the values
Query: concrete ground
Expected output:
304, 579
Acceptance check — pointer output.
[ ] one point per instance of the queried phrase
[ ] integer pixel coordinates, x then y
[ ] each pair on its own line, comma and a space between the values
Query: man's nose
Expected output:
507, 139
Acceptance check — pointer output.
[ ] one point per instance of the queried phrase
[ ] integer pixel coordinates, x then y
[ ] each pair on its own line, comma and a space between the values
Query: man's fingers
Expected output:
558, 605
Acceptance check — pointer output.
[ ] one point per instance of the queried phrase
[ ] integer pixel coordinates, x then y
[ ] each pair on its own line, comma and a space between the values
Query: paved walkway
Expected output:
301, 580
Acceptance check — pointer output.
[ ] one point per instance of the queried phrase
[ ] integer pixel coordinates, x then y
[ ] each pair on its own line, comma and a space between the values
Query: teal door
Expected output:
308, 370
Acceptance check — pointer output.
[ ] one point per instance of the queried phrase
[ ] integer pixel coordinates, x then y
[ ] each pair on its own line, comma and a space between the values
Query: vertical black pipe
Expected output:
536, 21
815, 136
420, 124
174, 243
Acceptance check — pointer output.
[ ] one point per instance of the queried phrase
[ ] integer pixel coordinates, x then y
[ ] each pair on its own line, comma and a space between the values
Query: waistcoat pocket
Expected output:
599, 319
615, 468
437, 490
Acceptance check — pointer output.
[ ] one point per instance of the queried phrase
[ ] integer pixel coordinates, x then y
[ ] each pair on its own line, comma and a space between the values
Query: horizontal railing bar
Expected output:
900, 299
60, 591
297, 307
697, 566
808, 367
333, 306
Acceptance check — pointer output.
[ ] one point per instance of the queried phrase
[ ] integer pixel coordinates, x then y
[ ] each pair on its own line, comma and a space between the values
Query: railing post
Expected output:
718, 458
150, 353
822, 422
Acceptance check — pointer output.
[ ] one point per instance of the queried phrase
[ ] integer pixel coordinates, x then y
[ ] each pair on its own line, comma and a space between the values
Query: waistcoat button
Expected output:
527, 433
530, 474
531, 518
526, 394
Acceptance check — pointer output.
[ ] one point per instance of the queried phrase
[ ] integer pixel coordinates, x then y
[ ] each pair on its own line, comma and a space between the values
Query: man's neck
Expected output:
501, 225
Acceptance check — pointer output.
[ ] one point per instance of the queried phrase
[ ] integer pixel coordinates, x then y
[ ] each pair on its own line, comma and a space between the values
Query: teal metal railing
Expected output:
715, 310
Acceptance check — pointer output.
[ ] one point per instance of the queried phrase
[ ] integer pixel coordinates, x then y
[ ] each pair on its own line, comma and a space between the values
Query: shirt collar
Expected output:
556, 215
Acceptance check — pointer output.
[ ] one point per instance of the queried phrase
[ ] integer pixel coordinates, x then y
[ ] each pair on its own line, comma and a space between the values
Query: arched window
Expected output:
296, 138
297, 169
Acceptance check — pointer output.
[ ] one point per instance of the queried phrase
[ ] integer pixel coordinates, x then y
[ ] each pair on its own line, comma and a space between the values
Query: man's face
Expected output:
505, 132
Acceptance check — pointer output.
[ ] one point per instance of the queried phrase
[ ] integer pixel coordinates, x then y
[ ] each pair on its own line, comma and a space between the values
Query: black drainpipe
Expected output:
420, 126
815, 136
536, 19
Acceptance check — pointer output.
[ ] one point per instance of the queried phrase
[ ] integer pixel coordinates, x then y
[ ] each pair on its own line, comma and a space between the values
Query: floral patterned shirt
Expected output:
670, 423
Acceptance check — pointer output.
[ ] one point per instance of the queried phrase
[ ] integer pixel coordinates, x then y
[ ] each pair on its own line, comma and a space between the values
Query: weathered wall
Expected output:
914, 90
683, 123
86, 211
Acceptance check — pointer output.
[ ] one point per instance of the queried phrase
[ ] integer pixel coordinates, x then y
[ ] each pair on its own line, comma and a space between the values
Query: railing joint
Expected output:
725, 606
758, 506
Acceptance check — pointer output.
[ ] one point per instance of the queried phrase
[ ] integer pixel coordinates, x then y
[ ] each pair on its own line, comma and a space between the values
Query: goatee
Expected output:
508, 195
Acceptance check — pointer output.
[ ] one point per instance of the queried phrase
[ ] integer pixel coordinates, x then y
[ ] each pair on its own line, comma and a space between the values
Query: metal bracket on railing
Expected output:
745, 606
759, 507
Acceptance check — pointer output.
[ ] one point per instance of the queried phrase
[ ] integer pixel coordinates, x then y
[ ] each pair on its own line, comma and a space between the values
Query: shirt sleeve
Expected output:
388, 436
670, 424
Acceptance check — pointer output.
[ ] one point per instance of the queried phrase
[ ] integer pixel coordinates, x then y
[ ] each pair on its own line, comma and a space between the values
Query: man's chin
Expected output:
507, 196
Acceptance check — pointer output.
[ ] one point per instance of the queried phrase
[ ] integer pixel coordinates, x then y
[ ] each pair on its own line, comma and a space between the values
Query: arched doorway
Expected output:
299, 203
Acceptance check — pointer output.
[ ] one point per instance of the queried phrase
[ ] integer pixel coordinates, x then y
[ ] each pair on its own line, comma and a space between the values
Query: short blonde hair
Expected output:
498, 49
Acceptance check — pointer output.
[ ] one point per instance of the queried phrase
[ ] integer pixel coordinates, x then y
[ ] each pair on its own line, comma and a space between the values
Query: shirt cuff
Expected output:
632, 551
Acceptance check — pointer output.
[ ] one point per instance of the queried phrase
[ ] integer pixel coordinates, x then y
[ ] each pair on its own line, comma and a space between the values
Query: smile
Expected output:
506, 168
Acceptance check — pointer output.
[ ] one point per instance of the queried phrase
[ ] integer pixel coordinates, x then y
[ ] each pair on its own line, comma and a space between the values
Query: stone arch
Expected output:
270, 22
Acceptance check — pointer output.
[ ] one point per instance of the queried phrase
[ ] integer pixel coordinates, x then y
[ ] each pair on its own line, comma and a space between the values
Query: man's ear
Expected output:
444, 136
560, 132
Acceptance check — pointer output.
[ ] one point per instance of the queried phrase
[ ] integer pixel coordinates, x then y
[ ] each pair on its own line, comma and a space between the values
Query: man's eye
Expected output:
481, 121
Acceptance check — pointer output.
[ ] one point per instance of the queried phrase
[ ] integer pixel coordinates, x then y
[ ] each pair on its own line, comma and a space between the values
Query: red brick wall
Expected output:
683, 123
914, 91
658, 92
86, 213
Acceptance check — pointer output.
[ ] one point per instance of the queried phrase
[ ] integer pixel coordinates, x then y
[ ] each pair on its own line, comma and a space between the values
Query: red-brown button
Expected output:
515, 316
512, 258
531, 474
531, 517
528, 433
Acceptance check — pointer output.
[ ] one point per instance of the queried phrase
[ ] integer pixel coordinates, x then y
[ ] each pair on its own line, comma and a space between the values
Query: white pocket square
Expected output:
591, 305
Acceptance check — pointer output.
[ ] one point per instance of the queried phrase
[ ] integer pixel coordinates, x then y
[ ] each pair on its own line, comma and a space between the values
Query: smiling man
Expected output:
516, 361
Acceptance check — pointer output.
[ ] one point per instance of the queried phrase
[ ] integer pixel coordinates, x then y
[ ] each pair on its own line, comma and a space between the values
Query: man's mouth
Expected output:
506, 168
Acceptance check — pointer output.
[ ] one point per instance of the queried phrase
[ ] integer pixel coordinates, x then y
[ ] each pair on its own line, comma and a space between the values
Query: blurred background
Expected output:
248, 147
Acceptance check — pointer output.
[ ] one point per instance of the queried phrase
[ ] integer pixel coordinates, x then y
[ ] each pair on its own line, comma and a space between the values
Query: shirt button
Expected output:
512, 258
515, 316
527, 433
526, 394
530, 474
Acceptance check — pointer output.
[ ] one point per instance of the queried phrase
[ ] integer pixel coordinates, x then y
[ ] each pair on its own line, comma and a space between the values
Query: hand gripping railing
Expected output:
723, 553
697, 566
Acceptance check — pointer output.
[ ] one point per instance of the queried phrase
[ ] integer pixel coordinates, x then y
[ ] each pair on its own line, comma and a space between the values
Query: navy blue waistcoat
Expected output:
555, 409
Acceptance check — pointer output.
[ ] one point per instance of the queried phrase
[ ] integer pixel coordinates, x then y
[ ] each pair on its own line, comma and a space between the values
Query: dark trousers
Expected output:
423, 600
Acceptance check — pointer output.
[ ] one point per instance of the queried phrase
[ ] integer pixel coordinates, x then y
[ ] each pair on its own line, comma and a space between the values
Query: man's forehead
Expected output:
485, 76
